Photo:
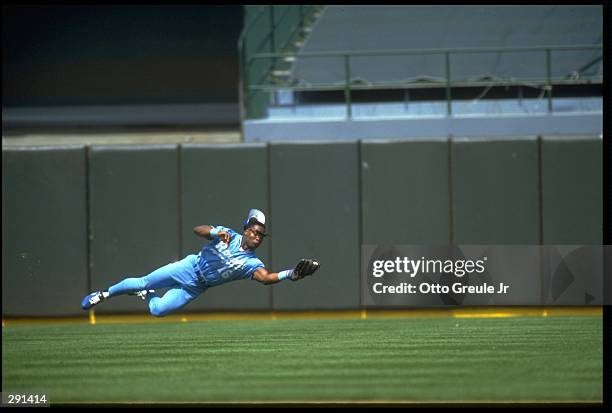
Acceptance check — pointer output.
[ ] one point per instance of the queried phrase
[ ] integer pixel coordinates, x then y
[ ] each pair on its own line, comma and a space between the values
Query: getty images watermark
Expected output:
465, 275
412, 267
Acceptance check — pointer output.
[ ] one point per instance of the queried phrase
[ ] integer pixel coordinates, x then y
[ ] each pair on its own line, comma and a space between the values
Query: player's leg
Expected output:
170, 275
176, 274
160, 278
172, 300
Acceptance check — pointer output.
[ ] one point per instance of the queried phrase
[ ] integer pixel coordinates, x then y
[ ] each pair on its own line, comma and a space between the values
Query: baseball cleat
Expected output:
91, 300
143, 294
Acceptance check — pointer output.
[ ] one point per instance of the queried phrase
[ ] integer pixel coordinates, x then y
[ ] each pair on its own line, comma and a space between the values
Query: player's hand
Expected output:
304, 268
224, 236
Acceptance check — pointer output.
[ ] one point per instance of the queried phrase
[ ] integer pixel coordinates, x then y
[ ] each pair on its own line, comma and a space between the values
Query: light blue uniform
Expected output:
217, 263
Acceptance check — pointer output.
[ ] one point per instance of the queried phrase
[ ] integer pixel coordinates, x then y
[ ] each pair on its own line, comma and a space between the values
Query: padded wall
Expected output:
495, 191
44, 231
134, 216
315, 209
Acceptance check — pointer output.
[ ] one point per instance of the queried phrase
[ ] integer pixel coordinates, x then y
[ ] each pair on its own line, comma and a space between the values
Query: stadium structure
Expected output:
420, 71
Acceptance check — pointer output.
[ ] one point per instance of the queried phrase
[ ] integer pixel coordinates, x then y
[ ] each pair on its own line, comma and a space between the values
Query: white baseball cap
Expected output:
257, 216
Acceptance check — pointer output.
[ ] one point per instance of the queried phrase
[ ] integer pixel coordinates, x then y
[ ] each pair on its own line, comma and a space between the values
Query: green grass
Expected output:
408, 359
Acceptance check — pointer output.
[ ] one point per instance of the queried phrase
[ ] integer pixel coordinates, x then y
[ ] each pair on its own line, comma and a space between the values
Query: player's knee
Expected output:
156, 311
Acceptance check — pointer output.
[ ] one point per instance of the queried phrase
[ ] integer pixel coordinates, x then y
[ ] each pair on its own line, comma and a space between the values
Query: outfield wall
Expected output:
78, 218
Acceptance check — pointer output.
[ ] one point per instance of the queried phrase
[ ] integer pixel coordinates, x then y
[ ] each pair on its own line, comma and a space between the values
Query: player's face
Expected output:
254, 236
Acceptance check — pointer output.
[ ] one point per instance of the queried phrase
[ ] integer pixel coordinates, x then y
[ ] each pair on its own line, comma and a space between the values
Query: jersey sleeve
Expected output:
253, 265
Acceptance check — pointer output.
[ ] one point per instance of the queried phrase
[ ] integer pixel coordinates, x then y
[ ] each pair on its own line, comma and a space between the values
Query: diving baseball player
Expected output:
228, 257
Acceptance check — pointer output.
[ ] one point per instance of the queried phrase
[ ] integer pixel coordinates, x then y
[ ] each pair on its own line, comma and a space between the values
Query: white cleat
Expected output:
143, 294
92, 299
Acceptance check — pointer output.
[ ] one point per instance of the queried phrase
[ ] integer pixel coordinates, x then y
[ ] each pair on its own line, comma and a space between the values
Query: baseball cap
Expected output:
255, 217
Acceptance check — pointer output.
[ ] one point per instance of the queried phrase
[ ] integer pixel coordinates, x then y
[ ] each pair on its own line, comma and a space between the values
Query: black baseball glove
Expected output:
304, 268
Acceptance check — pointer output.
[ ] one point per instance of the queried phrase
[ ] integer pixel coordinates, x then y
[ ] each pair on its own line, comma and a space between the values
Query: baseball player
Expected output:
228, 257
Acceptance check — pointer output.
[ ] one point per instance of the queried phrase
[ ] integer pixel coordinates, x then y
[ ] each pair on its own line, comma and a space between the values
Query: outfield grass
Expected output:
408, 359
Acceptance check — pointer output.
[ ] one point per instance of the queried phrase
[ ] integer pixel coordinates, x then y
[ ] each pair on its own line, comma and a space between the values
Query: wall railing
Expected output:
348, 84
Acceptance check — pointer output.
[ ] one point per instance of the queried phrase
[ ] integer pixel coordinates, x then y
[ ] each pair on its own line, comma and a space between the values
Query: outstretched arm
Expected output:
208, 232
263, 276
303, 269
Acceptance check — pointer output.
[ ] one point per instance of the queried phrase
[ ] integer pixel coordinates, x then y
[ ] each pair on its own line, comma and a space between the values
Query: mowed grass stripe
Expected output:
411, 359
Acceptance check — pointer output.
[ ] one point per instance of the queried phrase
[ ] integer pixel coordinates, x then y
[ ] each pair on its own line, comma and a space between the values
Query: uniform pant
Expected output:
181, 279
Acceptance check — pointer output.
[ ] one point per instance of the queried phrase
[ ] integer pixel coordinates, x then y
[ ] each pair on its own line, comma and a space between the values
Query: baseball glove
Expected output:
304, 268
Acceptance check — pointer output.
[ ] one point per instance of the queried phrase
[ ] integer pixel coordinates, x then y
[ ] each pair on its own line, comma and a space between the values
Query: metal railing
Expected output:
347, 85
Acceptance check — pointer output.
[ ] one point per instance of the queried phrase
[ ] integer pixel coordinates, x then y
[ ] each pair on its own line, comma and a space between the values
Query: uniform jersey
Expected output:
221, 263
